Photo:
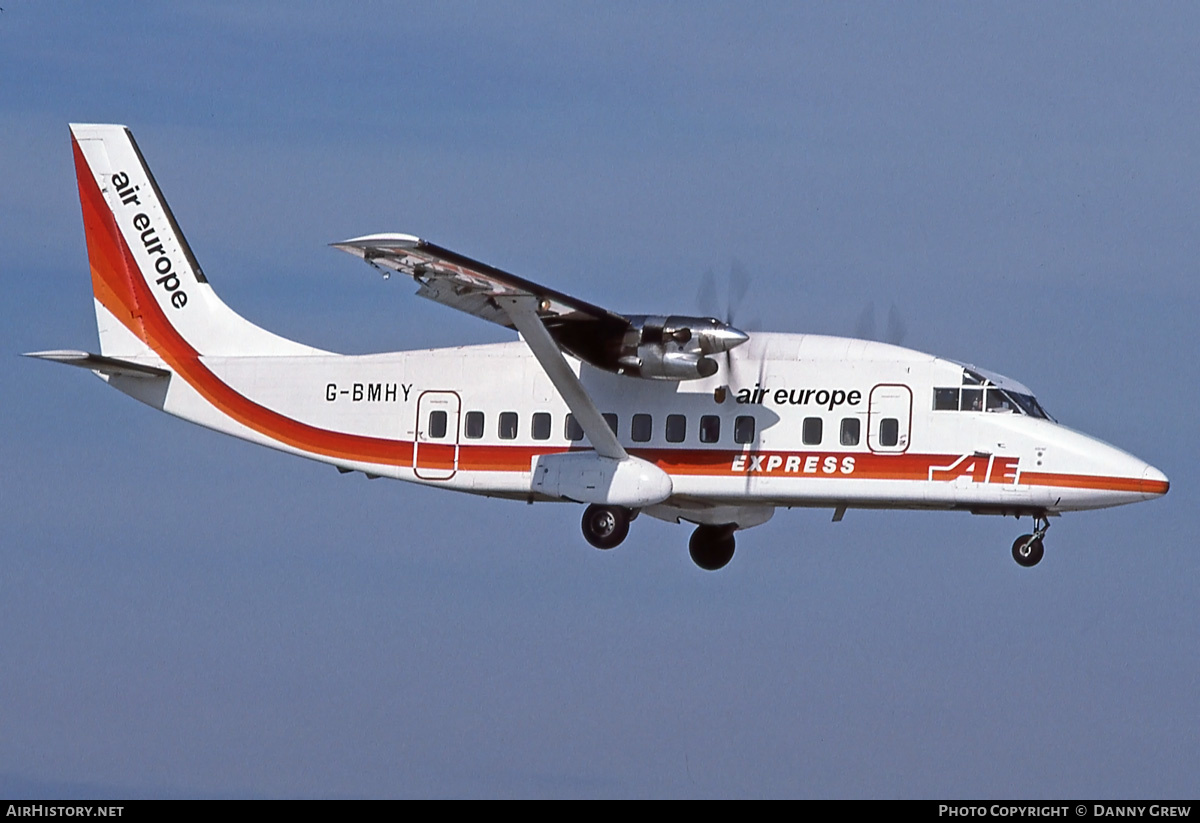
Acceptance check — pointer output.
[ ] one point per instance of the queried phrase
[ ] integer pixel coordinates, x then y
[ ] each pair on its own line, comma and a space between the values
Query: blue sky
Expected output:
185, 614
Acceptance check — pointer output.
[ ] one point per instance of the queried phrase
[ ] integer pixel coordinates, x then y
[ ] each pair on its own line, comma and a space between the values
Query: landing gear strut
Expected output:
712, 547
1027, 550
605, 526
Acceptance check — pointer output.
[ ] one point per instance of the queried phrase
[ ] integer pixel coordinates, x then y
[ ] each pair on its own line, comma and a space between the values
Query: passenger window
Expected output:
743, 429
474, 425
574, 431
676, 428
812, 431
945, 399
889, 431
437, 424
643, 425
611, 420
541, 426
850, 431
972, 399
710, 428
508, 425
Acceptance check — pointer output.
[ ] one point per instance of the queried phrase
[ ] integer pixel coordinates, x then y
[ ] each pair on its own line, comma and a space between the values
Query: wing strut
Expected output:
522, 310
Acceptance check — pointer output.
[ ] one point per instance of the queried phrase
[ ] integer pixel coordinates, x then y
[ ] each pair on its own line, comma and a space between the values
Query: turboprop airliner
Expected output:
681, 418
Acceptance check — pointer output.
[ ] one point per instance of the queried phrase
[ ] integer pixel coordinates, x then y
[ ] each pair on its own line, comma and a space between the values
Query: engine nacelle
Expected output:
655, 363
654, 347
676, 347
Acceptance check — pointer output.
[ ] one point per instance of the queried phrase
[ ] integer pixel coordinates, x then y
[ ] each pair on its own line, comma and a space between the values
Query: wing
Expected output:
663, 348
468, 285
657, 348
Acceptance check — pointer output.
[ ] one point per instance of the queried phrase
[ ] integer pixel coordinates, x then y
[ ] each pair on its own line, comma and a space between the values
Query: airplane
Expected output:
682, 418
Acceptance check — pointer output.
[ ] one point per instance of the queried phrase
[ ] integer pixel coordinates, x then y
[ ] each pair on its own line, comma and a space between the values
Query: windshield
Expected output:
978, 393
1029, 405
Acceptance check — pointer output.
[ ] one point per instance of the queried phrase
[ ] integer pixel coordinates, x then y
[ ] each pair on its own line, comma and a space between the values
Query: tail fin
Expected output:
150, 293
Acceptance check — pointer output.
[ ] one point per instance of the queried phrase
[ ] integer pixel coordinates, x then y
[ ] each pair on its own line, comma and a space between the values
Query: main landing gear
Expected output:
711, 547
1027, 549
605, 527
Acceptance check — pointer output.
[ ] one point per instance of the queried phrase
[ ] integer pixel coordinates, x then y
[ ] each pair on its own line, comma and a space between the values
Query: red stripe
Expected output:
112, 281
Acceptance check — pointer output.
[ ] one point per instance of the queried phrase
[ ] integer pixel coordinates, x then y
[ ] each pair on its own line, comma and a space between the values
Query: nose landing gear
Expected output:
1027, 549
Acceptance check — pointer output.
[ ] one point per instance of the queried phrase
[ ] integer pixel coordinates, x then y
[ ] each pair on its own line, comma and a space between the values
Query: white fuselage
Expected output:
380, 414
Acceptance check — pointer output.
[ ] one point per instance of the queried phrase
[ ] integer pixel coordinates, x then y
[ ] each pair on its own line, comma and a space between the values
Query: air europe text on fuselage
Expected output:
829, 398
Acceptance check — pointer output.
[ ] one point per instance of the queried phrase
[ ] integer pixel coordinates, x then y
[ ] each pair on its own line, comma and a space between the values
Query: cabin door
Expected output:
889, 418
435, 449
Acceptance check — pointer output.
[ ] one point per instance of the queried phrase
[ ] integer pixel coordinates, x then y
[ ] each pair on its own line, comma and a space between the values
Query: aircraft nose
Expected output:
1154, 483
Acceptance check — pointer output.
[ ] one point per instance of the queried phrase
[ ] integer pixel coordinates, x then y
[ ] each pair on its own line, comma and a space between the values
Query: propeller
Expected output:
865, 328
737, 286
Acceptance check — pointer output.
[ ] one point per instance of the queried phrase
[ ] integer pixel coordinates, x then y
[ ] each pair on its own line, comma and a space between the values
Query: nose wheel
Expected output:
605, 526
1028, 549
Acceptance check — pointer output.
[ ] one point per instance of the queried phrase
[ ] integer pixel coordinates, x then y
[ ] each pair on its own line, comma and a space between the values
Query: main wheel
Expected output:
711, 547
605, 526
1028, 550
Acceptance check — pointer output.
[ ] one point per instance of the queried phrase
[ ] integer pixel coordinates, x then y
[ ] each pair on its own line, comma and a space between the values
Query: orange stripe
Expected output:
1087, 481
112, 281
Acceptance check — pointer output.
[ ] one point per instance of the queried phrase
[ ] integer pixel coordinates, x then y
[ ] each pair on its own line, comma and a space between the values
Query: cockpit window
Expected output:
945, 399
980, 394
998, 401
1029, 404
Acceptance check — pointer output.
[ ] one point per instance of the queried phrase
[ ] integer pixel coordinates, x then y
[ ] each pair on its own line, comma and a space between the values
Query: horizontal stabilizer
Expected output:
100, 363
